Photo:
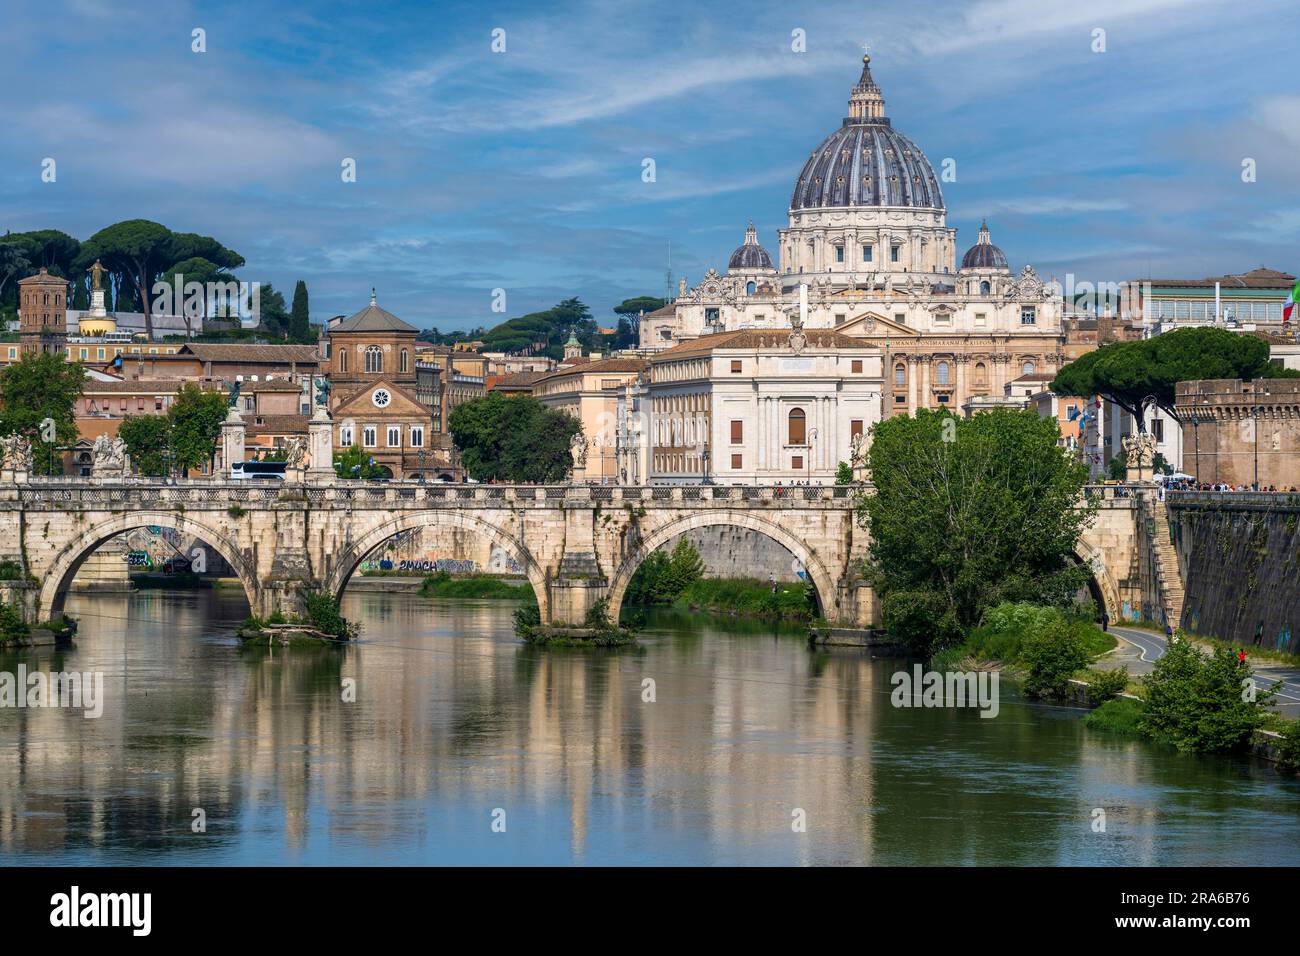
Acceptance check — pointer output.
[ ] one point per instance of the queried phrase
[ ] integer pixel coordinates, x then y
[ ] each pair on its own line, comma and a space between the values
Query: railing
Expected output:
133, 492
1238, 499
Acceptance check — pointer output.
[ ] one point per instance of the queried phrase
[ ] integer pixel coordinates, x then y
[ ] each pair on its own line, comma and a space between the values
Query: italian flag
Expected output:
1291, 299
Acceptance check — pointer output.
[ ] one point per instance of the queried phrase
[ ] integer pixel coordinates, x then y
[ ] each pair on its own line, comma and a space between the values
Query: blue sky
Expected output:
522, 170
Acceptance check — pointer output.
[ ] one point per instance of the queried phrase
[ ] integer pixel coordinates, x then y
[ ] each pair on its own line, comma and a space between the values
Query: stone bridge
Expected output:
576, 543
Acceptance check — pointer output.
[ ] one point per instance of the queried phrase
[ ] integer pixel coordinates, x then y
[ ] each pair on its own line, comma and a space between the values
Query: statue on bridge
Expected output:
295, 453
109, 457
17, 453
232, 400
1139, 455
578, 449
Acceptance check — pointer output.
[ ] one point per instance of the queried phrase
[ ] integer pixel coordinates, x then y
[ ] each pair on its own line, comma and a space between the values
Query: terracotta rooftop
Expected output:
1254, 279
283, 354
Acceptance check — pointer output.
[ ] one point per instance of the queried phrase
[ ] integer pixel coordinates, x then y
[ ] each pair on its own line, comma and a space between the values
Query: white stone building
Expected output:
755, 407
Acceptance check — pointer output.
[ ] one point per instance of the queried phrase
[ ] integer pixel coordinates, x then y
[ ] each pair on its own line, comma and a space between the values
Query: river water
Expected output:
463, 746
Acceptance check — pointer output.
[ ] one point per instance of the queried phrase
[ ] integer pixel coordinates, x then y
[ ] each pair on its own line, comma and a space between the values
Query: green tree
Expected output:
139, 251
970, 512
513, 438
352, 462
37, 387
844, 474
148, 442
299, 318
1200, 702
195, 418
1136, 374
273, 315
1054, 654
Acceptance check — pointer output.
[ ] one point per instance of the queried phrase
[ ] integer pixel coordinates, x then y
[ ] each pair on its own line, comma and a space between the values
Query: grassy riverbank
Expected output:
746, 597
443, 584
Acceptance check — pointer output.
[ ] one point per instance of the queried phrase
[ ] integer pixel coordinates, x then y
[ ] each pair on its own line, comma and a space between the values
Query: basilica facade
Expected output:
868, 254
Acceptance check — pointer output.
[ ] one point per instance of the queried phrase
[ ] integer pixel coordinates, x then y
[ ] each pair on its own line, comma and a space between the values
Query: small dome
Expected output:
984, 255
750, 256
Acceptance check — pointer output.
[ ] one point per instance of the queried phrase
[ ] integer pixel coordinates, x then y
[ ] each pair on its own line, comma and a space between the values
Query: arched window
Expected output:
1027, 368
750, 287
798, 431
900, 374
941, 373
404, 360
985, 287
374, 359
981, 374
343, 360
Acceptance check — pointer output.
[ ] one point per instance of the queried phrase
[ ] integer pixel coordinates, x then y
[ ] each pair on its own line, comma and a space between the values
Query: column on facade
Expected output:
774, 435
959, 395
913, 373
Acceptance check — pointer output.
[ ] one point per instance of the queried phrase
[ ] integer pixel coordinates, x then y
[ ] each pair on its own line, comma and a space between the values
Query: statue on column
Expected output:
17, 453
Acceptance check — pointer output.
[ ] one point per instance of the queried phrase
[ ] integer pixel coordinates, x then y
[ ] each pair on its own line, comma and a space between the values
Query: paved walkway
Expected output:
1139, 650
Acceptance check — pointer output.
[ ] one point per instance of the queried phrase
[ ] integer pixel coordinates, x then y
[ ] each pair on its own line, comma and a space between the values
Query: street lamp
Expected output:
1254, 422
704, 456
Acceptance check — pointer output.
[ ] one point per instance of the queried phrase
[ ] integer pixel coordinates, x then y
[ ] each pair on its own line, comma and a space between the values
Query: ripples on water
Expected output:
454, 719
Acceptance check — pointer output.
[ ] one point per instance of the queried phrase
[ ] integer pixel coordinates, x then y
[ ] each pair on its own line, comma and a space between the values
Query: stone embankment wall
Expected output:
729, 552
1240, 564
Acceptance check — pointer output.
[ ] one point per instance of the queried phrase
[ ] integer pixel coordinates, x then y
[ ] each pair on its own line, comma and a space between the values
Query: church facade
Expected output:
867, 253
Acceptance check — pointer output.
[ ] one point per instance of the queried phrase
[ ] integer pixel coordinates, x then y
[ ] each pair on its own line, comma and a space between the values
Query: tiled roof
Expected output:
519, 379
373, 319
275, 424
1255, 279
600, 365
283, 354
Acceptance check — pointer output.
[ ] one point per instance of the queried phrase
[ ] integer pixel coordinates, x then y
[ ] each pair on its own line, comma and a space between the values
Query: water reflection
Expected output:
453, 719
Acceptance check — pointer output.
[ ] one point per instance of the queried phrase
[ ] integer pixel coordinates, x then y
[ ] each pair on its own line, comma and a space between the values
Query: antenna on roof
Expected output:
668, 276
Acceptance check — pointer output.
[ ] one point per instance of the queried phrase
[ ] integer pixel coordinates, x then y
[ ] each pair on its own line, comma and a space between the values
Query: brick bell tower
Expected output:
43, 321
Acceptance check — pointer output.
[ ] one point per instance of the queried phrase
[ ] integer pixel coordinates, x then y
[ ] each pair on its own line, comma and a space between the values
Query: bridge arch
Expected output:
351, 558
72, 556
822, 579
1106, 590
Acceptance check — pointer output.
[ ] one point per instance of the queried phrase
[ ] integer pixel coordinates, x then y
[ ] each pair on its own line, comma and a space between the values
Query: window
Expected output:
85, 354
737, 432
981, 319
985, 287
894, 252
981, 375
798, 427
839, 253
374, 358
368, 434
345, 436
1027, 368
394, 436
737, 462
1028, 315
404, 361
900, 317
900, 374
343, 360
750, 287
855, 428
839, 318
866, 253
735, 366
941, 373
1158, 429
856, 366
712, 316
796, 462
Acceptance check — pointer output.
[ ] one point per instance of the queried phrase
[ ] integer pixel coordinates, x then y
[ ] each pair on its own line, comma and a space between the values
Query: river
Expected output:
464, 746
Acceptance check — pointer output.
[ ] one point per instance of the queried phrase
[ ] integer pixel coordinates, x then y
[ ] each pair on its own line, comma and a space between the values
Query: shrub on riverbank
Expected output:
1121, 716
1201, 702
1049, 644
663, 576
443, 584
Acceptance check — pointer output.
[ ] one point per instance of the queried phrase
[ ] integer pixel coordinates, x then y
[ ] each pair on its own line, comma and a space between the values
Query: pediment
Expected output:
873, 324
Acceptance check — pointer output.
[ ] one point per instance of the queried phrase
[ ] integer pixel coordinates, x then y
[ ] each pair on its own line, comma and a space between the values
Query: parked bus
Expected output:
257, 470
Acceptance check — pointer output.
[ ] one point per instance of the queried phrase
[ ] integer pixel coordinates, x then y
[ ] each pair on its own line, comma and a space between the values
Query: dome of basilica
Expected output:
750, 256
984, 255
866, 162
